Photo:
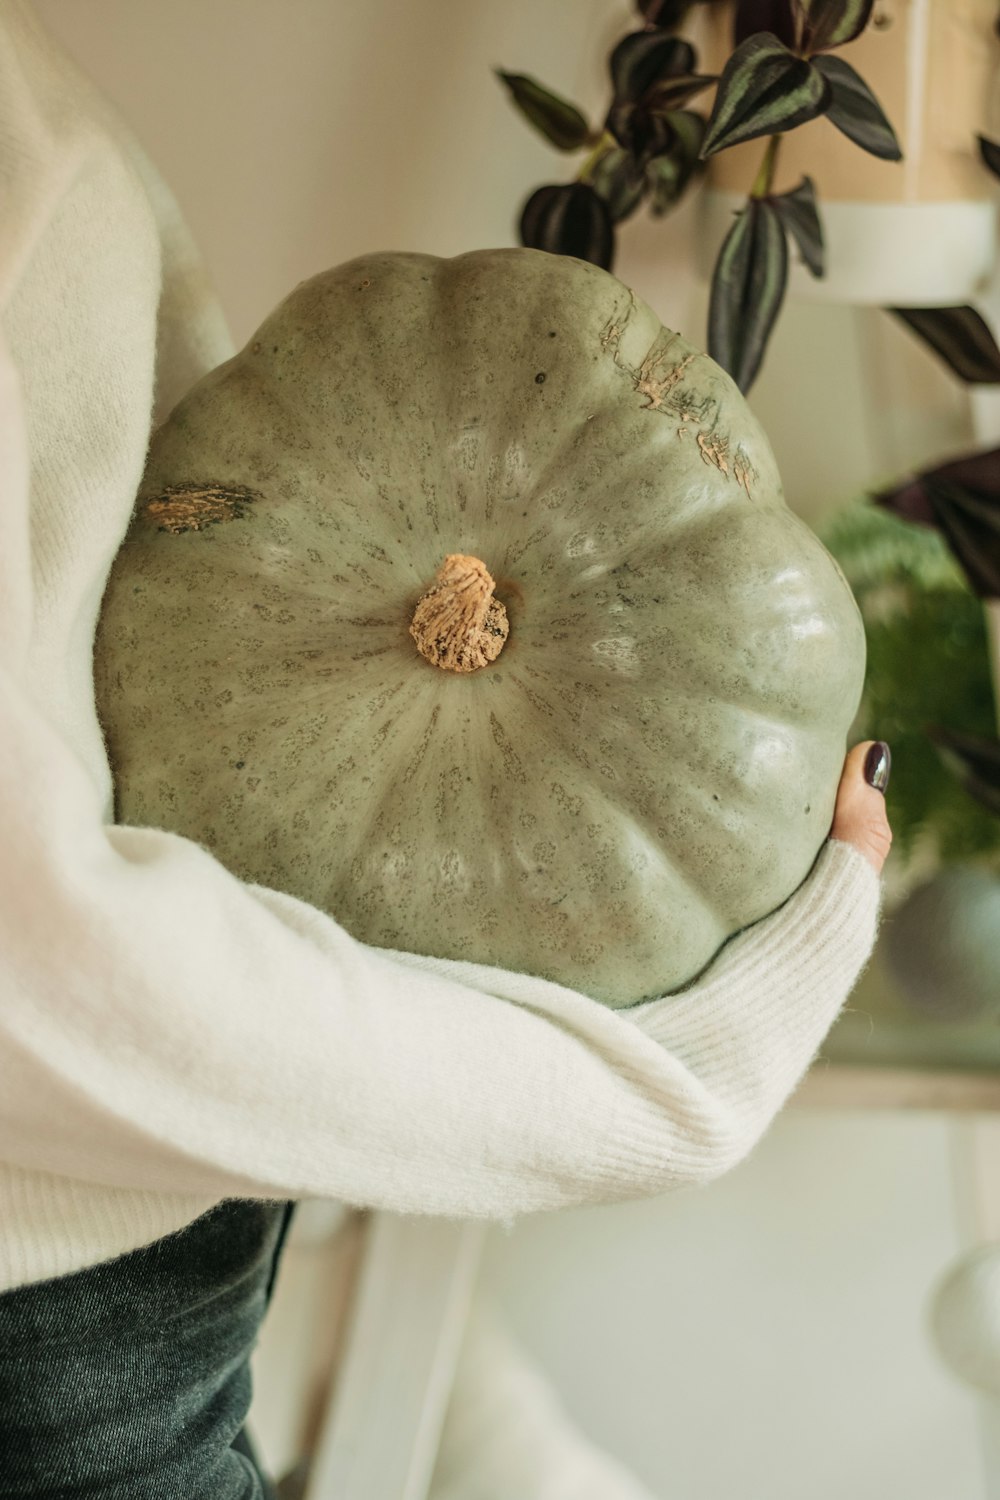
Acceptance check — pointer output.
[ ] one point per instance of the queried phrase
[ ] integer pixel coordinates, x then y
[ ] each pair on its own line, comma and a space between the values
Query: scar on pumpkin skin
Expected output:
743, 471
656, 389
192, 507
714, 451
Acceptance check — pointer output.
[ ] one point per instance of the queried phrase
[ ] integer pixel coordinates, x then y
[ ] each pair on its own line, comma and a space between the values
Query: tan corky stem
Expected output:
457, 624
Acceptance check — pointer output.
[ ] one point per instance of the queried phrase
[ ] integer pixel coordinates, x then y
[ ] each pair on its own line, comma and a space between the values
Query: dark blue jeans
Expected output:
130, 1380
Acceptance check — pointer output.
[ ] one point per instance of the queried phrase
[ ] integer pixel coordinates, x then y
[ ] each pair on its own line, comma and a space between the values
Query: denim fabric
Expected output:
131, 1379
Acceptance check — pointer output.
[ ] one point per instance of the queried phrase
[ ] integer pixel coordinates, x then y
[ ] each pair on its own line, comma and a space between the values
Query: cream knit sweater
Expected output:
169, 1036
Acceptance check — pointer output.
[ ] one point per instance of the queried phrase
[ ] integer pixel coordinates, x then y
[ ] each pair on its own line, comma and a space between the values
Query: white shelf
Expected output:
840, 1086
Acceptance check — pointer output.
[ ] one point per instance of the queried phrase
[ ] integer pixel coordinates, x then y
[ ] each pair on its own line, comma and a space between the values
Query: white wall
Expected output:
761, 1339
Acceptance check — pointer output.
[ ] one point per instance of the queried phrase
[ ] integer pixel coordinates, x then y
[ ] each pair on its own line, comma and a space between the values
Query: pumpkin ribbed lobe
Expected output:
458, 625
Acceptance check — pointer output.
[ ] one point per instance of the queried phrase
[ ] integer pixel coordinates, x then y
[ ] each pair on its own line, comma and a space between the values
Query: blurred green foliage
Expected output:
928, 666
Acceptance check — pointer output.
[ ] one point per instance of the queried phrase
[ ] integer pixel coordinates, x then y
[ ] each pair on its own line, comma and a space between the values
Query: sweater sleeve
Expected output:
165, 1027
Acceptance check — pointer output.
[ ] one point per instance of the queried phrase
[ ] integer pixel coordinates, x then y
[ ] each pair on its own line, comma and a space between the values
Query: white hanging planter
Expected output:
920, 232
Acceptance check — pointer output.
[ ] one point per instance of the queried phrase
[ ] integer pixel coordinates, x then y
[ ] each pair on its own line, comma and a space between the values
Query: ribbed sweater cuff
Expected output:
747, 1030
796, 965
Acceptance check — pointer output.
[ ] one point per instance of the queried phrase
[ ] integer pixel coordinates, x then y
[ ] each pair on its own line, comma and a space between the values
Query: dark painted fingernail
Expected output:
878, 764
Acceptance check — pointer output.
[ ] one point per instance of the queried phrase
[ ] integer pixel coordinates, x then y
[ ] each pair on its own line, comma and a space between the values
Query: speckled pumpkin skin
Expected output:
650, 764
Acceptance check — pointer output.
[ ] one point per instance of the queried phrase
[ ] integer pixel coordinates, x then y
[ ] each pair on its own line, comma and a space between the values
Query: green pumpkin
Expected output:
649, 761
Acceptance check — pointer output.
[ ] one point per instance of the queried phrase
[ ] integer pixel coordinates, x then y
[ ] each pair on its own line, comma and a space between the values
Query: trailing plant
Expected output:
651, 144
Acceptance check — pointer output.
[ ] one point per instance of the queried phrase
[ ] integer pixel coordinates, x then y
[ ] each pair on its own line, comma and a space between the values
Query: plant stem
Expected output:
765, 174
603, 144
800, 28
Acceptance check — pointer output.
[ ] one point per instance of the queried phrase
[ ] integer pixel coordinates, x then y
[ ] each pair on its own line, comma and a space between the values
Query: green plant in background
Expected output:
928, 672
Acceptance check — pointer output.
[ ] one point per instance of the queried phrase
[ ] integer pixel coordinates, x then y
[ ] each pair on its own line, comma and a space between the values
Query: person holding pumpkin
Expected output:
182, 1054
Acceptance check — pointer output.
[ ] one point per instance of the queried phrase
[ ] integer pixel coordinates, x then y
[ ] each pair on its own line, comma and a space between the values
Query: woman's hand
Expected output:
859, 816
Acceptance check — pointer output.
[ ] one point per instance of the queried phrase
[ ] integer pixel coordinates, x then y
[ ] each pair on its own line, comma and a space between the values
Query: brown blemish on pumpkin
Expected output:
656, 379
714, 450
458, 625
192, 507
743, 472
654, 386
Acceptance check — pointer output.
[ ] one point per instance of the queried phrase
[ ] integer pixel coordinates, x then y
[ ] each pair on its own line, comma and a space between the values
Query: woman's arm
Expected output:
166, 1027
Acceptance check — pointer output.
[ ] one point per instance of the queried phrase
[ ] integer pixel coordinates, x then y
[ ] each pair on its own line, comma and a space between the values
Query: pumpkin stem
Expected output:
457, 624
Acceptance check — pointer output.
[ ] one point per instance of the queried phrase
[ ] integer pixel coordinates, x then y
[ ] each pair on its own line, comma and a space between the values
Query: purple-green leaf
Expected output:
974, 760
970, 524
560, 122
617, 179
962, 499
909, 500
673, 92
645, 58
642, 132
645, 128
854, 109
748, 286
989, 153
663, 13
569, 219
776, 16
800, 216
669, 174
831, 23
764, 90
960, 337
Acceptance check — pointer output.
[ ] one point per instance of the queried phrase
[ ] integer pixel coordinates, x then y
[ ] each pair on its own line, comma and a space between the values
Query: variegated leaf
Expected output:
664, 13
616, 178
748, 287
800, 217
776, 16
764, 90
854, 110
970, 523
962, 499
989, 153
645, 58
831, 23
560, 122
669, 174
960, 337
569, 219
